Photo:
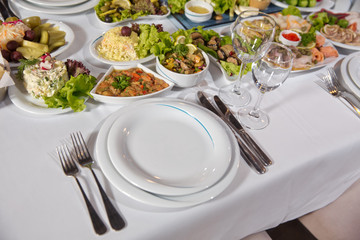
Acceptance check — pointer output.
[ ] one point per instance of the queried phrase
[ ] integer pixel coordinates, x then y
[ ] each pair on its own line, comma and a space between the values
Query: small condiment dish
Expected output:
289, 38
198, 11
180, 79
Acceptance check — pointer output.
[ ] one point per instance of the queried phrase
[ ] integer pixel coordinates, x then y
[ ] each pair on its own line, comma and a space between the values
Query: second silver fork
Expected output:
332, 83
84, 158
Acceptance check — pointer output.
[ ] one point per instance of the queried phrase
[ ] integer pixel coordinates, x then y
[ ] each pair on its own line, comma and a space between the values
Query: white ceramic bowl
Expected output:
126, 100
183, 80
198, 17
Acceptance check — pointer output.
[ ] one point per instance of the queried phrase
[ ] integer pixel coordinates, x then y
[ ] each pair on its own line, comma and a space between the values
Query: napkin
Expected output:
5, 78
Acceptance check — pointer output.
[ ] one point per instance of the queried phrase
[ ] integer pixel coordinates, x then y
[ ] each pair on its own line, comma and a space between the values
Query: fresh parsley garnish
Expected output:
23, 64
181, 49
121, 82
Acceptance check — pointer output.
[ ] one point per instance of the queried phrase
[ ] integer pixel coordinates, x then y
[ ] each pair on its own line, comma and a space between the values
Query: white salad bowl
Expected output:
198, 17
180, 79
126, 100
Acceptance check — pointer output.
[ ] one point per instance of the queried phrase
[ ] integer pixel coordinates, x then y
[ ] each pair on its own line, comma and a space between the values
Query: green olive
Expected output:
11, 19
104, 8
107, 4
32, 22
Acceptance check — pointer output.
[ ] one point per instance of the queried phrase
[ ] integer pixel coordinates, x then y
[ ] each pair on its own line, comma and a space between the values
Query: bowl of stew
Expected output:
182, 71
125, 84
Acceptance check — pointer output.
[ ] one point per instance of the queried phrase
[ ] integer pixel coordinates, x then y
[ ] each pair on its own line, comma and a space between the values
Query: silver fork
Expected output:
332, 84
71, 170
84, 158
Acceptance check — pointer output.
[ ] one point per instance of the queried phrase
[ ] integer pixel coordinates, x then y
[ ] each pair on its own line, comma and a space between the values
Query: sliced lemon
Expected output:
192, 48
180, 39
125, 4
309, 46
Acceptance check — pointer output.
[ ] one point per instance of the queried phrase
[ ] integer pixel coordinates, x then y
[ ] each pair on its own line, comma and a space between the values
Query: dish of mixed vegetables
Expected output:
130, 82
110, 11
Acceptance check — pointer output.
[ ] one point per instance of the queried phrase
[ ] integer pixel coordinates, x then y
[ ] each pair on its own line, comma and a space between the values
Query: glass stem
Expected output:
237, 83
255, 111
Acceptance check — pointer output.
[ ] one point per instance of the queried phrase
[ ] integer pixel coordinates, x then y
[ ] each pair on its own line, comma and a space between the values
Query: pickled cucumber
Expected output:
30, 53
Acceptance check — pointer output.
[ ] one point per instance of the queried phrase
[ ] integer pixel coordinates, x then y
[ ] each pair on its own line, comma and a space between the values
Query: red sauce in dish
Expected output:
291, 37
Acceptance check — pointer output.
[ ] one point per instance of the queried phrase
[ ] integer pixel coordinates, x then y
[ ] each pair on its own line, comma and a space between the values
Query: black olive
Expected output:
16, 56
125, 31
119, 9
108, 19
6, 54
12, 45
30, 35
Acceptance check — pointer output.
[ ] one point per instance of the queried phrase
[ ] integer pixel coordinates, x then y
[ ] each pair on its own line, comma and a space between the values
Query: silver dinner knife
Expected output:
246, 153
240, 130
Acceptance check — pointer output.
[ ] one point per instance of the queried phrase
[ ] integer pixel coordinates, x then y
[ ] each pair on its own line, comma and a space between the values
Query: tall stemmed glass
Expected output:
250, 34
268, 73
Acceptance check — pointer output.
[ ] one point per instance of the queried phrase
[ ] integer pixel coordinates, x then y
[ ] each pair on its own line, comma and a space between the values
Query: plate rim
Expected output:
92, 48
113, 24
158, 187
150, 199
57, 11
324, 4
345, 75
58, 3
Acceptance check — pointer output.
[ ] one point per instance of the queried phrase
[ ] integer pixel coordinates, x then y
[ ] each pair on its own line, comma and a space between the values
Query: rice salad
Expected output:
116, 47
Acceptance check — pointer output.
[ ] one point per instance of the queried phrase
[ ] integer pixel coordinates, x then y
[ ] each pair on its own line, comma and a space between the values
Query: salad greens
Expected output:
221, 6
320, 19
149, 36
177, 6
291, 10
73, 93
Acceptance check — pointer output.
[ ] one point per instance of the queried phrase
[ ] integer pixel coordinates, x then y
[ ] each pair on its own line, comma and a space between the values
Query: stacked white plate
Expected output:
350, 72
54, 6
167, 153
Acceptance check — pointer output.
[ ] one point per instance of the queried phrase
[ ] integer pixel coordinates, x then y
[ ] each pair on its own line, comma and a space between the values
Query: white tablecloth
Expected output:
313, 139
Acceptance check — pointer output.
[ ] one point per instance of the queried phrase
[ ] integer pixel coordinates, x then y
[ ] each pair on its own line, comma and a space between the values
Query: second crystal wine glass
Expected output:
250, 34
268, 73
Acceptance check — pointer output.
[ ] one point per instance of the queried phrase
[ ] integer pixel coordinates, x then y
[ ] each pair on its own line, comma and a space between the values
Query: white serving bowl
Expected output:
127, 100
183, 80
198, 17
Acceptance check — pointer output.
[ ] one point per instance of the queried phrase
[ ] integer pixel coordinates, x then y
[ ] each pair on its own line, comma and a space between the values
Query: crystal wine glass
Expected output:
250, 34
268, 73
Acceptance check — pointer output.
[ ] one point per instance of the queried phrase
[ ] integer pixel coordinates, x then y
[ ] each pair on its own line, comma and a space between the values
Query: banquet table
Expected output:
313, 139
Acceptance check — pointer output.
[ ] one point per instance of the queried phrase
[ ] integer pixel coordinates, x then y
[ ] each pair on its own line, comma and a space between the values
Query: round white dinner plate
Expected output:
153, 18
23, 100
57, 3
346, 46
101, 150
92, 48
346, 76
354, 70
53, 10
319, 5
169, 148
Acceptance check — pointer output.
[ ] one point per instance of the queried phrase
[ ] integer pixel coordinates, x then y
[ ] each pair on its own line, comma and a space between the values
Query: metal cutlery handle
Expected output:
250, 158
350, 102
260, 153
116, 221
8, 9
98, 224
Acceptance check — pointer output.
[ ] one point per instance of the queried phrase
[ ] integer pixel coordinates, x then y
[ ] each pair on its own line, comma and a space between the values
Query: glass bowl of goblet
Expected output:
268, 73
250, 33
